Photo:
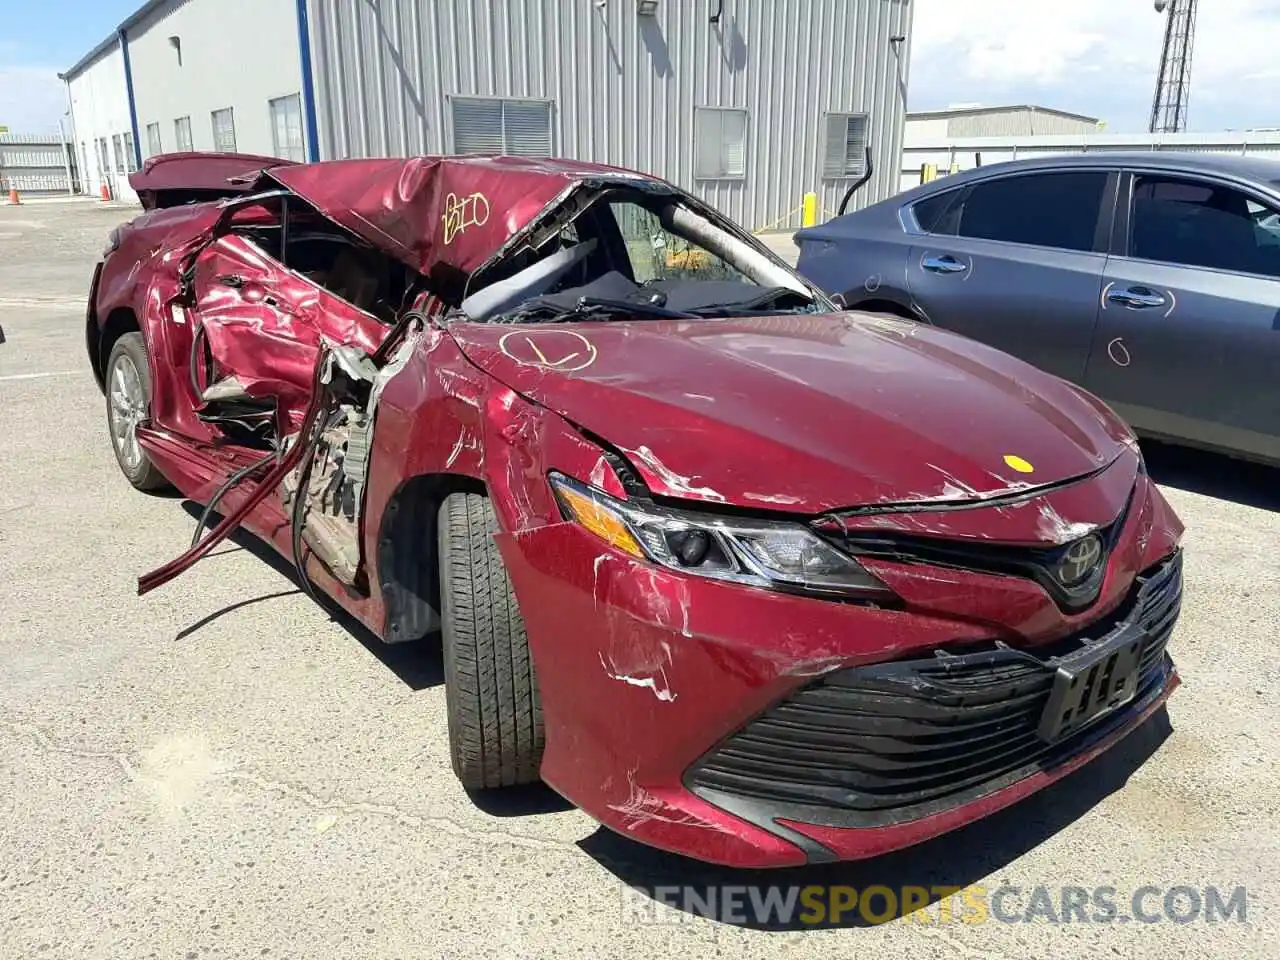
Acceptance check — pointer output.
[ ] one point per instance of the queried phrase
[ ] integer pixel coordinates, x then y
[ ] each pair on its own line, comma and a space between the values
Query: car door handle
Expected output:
943, 264
1139, 298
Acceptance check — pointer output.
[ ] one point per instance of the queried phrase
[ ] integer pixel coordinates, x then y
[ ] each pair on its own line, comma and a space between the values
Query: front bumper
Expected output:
732, 724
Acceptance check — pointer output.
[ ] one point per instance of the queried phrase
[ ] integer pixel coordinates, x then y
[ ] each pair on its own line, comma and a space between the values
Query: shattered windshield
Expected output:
632, 254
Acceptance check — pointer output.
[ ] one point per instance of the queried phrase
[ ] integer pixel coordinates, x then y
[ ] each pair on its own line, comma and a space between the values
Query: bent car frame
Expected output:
741, 576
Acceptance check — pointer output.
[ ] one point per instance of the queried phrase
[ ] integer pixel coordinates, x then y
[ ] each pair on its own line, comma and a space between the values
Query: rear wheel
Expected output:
128, 383
495, 717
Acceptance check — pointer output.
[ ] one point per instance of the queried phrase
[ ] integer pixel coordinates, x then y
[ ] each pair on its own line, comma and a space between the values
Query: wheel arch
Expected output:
883, 305
408, 565
119, 321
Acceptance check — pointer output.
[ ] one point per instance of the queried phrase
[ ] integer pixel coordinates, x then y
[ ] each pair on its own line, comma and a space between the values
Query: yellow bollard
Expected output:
809, 216
928, 172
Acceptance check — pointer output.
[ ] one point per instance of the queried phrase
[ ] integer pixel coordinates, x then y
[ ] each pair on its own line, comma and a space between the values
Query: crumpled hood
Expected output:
805, 413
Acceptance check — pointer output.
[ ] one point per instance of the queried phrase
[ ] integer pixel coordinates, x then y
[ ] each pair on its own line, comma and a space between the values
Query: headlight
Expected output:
780, 556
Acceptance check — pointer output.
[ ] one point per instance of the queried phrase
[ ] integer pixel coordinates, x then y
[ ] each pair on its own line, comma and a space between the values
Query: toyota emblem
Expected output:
1080, 561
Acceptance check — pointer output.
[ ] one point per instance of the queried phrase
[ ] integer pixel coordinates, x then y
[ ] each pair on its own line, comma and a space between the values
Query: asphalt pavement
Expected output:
222, 769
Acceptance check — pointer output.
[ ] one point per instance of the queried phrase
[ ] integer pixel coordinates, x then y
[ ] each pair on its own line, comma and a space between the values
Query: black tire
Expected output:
495, 717
130, 353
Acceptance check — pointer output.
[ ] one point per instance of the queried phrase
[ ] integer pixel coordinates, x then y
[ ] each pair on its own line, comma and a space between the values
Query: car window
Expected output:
656, 253
1268, 223
939, 213
1194, 224
1046, 209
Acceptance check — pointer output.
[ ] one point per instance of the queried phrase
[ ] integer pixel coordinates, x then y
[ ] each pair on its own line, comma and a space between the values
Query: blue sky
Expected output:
38, 38
1096, 57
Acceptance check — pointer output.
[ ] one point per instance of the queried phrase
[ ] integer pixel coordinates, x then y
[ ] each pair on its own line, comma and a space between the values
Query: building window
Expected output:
286, 128
719, 143
130, 157
182, 134
845, 152
154, 146
118, 149
515, 127
104, 159
224, 130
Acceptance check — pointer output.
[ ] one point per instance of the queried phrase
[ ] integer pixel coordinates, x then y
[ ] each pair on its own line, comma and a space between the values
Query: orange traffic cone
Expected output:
13, 197
105, 192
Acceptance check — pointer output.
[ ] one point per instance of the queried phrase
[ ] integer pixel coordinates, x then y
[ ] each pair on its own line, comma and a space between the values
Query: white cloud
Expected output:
1094, 56
31, 99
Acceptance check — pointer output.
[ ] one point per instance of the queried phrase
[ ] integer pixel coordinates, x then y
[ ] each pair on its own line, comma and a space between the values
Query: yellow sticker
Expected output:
1017, 463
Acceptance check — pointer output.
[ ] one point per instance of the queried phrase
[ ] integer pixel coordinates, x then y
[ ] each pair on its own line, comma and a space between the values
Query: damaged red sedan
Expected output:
743, 577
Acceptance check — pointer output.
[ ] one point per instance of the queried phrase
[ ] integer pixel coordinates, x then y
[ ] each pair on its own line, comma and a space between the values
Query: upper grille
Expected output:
1035, 563
893, 742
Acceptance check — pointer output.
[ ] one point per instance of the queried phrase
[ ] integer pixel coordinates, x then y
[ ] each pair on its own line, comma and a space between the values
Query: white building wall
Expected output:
100, 109
944, 153
234, 53
932, 128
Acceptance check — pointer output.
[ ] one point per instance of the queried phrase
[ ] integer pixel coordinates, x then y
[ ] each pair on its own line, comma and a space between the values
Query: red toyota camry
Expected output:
741, 576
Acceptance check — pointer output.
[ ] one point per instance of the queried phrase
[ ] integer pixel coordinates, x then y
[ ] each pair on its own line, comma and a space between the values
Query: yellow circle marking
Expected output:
1015, 462
562, 350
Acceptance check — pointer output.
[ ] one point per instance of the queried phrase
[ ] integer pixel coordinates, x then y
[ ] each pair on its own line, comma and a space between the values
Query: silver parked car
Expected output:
1150, 279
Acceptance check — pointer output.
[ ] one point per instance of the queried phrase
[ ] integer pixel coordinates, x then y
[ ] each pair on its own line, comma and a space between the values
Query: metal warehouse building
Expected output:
747, 103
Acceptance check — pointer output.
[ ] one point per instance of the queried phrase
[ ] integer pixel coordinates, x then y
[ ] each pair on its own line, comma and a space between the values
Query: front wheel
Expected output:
495, 716
128, 382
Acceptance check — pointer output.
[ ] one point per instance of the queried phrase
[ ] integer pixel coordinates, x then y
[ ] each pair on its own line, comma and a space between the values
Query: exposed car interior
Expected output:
630, 253
329, 256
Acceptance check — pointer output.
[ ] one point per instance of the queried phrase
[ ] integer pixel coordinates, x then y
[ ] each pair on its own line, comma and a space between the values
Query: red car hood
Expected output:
805, 413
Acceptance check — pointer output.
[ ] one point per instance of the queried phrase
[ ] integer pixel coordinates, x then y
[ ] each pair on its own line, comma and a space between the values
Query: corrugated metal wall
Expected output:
33, 165
624, 85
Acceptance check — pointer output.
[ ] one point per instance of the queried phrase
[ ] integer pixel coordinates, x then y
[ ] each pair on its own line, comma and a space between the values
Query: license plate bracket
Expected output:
1093, 682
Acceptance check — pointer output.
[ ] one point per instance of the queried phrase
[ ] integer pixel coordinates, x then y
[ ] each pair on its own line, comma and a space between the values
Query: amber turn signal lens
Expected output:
600, 520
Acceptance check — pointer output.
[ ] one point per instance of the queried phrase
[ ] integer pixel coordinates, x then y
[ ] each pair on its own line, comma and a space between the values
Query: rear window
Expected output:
931, 212
1045, 209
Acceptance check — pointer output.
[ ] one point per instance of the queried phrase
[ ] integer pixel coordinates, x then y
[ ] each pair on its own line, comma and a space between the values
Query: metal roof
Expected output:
113, 40
977, 111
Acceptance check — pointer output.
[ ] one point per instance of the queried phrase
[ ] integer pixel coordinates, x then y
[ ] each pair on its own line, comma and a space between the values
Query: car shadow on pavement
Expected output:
1213, 475
955, 860
525, 801
417, 665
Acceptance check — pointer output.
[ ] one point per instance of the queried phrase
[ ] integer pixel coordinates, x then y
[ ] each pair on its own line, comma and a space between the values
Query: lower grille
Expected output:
897, 741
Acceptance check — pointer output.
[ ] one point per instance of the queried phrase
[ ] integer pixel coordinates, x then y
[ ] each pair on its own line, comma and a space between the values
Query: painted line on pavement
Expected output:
41, 376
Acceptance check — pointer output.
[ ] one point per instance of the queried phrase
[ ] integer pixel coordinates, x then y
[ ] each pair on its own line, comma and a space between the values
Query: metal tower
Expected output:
1173, 85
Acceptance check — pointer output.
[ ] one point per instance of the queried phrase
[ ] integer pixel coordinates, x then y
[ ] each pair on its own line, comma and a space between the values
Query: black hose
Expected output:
858, 184
392, 340
226, 488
